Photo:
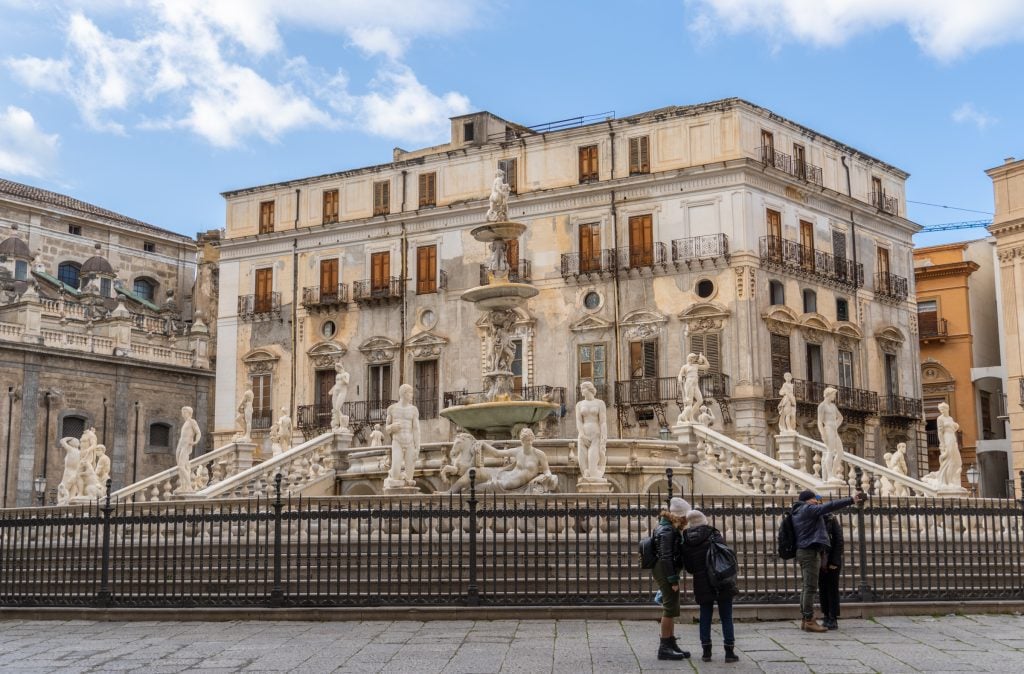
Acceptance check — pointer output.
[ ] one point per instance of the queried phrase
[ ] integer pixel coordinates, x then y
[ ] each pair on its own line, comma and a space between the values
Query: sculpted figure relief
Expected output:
592, 441
787, 406
338, 394
68, 488
243, 422
706, 417
403, 424
525, 469
187, 440
498, 203
689, 386
498, 262
950, 462
284, 431
829, 421
896, 462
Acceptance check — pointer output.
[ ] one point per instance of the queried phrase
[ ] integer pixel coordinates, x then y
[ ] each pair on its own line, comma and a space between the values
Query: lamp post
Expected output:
39, 484
972, 479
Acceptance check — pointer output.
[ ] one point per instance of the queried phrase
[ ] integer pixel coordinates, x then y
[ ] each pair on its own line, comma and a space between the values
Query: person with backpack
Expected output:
831, 570
812, 544
711, 583
666, 574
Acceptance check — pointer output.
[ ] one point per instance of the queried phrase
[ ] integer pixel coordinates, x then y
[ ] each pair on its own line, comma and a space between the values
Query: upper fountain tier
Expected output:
499, 293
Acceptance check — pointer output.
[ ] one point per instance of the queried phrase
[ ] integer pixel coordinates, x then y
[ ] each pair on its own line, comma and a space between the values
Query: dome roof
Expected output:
96, 265
16, 248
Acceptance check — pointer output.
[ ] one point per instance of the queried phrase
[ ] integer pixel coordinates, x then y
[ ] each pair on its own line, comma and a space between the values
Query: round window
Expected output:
592, 300
328, 329
428, 319
705, 288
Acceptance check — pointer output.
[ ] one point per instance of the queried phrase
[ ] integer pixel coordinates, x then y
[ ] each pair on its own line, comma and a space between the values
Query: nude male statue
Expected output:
403, 425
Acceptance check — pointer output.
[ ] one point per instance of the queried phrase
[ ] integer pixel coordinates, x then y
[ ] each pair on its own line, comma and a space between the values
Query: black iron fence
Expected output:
639, 257
315, 419
598, 262
899, 406
325, 296
714, 385
885, 202
794, 166
477, 549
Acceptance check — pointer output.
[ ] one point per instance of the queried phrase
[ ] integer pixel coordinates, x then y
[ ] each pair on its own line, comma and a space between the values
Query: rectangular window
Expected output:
928, 317
264, 290
75, 229
892, 376
425, 387
639, 155
509, 167
767, 147
806, 244
468, 132
588, 163
382, 197
708, 344
322, 392
774, 221
329, 280
266, 217
815, 371
800, 161
876, 191
21, 273
846, 369
148, 247
593, 366
590, 247
517, 365
883, 260
641, 241
261, 395
331, 206
378, 383
780, 358
426, 270
643, 359
380, 271
985, 402
839, 244
428, 189
842, 310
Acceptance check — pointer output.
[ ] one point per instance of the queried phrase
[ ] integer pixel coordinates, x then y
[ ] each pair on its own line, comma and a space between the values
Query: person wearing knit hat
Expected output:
678, 506
696, 539
666, 574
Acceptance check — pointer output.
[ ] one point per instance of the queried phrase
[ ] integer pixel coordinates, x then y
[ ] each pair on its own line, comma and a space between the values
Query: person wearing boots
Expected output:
696, 539
666, 575
831, 570
811, 544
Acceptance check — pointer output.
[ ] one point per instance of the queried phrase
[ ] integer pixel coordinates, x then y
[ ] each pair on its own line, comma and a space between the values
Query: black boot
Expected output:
730, 654
668, 650
675, 645
706, 657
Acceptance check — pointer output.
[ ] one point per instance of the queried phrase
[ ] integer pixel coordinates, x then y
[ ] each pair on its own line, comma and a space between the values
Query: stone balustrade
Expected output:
227, 461
300, 468
745, 469
873, 478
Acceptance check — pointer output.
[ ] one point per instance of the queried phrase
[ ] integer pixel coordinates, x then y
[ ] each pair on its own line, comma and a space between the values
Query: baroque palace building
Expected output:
720, 228
96, 330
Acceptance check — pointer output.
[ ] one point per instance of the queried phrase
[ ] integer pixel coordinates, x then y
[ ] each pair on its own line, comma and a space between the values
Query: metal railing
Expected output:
317, 417
262, 419
885, 203
367, 290
792, 257
648, 390
316, 296
890, 286
633, 257
699, 248
521, 272
940, 328
898, 406
259, 307
474, 549
576, 264
812, 393
798, 168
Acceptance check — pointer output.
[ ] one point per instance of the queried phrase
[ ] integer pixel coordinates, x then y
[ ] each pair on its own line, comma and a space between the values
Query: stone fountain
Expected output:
499, 412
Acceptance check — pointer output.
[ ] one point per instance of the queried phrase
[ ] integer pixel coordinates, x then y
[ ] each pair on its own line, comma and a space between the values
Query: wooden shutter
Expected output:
329, 276
641, 241
330, 205
324, 382
428, 195
780, 358
426, 269
380, 270
425, 388
883, 260
928, 317
266, 217
643, 358
261, 392
708, 344
639, 155
264, 290
767, 147
382, 198
588, 163
512, 254
590, 247
774, 220
839, 244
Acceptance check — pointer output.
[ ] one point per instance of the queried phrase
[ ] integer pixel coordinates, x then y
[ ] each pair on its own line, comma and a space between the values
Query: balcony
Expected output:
314, 420
575, 265
259, 307
317, 297
898, 407
521, 272
798, 168
696, 249
936, 328
262, 419
794, 258
649, 390
377, 292
848, 399
891, 287
1021, 399
644, 257
885, 203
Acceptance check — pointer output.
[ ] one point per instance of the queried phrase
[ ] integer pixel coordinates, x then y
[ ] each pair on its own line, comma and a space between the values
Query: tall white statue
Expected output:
376, 436
274, 435
403, 425
338, 394
187, 440
829, 421
787, 406
498, 202
68, 488
950, 462
243, 421
102, 467
592, 441
689, 386
284, 430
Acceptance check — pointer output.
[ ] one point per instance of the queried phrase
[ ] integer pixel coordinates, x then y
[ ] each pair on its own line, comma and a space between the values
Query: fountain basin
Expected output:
499, 420
498, 230
500, 295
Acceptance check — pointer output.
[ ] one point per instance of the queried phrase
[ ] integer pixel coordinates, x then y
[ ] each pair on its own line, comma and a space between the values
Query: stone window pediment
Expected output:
426, 345
326, 354
590, 324
379, 349
643, 324
780, 320
260, 361
890, 339
704, 316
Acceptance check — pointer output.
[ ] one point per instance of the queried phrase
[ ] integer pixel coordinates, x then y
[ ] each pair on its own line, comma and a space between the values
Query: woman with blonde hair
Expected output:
666, 574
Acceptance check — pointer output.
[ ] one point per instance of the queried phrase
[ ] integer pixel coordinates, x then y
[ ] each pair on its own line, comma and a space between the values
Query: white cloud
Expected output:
402, 107
944, 29
968, 114
378, 40
25, 150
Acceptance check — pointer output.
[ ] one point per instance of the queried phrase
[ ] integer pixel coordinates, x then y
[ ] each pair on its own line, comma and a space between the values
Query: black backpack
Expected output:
787, 537
721, 564
648, 553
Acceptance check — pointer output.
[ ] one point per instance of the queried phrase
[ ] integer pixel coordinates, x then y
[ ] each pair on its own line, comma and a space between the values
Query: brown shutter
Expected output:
780, 358
266, 217
651, 359
590, 247
641, 240
380, 270
427, 189
883, 260
382, 198
426, 269
639, 155
512, 254
264, 290
328, 276
774, 219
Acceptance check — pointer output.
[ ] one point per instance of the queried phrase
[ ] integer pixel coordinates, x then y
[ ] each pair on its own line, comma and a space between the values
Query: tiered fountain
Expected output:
499, 412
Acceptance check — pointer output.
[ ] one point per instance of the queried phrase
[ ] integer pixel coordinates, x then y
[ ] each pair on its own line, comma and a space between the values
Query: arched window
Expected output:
843, 310
160, 435
776, 292
810, 301
67, 273
72, 427
144, 288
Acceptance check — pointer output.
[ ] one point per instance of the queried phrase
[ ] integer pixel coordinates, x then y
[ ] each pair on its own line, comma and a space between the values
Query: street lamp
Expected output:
972, 479
39, 484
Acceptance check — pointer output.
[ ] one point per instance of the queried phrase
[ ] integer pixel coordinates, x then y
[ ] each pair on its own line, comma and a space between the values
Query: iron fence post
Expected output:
472, 592
104, 597
277, 592
864, 591
1022, 483
668, 476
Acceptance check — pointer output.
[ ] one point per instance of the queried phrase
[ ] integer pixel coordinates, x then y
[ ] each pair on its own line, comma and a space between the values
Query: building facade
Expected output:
961, 362
96, 330
720, 229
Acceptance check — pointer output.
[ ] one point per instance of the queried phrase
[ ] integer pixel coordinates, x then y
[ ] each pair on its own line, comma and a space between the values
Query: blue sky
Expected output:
153, 107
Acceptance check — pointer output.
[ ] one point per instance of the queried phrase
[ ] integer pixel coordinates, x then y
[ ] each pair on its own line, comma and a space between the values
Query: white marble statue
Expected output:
897, 463
526, 470
689, 386
950, 462
87, 445
102, 467
376, 436
187, 440
706, 417
498, 262
243, 422
68, 488
200, 479
284, 431
829, 421
787, 406
463, 455
592, 441
338, 393
498, 202
403, 425
275, 440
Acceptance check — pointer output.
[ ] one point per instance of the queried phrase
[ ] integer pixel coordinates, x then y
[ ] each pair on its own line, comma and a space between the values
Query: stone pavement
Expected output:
977, 643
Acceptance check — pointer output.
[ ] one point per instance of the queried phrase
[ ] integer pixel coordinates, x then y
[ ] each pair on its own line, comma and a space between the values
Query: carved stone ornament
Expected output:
778, 327
260, 362
640, 332
704, 317
378, 349
643, 324
813, 335
844, 343
326, 354
427, 345
590, 323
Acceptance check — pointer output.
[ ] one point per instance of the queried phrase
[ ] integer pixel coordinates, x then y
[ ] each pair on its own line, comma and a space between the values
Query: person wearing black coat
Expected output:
831, 570
696, 540
666, 575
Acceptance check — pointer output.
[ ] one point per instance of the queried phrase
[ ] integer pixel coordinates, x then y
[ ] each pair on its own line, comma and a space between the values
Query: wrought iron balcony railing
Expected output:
891, 287
812, 393
885, 203
696, 249
577, 264
649, 257
1021, 382
321, 297
798, 168
931, 329
369, 291
360, 412
259, 307
519, 273
262, 418
898, 406
800, 260
650, 390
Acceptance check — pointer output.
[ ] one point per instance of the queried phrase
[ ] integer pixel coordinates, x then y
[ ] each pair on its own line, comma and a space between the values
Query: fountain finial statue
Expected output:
498, 209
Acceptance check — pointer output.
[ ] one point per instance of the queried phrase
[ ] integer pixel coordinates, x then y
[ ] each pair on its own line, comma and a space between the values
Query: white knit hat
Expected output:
678, 506
696, 518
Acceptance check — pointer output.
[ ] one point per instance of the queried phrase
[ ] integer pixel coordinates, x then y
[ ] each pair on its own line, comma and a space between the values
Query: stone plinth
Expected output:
404, 490
339, 447
244, 451
593, 486
787, 450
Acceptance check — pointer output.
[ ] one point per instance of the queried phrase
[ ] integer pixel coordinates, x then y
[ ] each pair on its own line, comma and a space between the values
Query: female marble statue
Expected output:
787, 406
592, 441
243, 422
338, 394
187, 440
950, 462
284, 430
376, 436
497, 210
689, 386
829, 421
528, 470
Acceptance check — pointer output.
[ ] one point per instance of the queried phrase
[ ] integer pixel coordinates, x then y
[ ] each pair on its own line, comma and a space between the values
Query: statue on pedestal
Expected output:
403, 425
829, 421
706, 417
950, 462
187, 440
497, 210
284, 431
338, 393
376, 436
243, 421
787, 406
68, 488
689, 386
592, 441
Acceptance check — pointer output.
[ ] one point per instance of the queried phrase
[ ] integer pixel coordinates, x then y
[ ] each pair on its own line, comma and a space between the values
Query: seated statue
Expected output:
525, 469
